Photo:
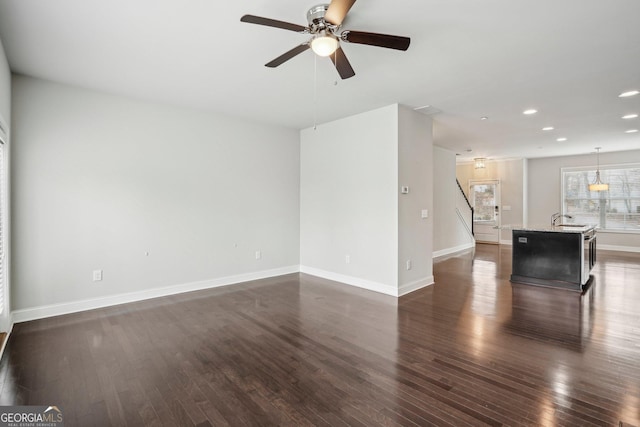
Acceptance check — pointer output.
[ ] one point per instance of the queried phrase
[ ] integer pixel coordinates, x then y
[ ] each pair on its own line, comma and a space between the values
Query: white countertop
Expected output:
578, 228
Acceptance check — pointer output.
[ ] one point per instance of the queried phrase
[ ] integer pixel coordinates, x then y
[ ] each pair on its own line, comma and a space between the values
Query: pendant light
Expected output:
597, 184
479, 162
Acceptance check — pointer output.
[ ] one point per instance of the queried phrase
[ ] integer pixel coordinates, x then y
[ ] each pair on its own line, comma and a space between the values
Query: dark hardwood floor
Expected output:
296, 350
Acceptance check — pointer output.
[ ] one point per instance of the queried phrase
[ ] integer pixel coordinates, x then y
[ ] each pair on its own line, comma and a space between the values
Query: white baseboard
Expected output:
619, 248
44, 311
453, 250
6, 339
414, 286
351, 280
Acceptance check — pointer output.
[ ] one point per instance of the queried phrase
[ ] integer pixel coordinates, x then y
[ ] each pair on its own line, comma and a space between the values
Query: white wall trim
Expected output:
6, 339
619, 248
351, 280
507, 242
44, 311
454, 249
414, 286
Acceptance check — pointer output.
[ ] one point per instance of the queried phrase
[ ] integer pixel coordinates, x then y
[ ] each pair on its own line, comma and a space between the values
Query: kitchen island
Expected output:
554, 256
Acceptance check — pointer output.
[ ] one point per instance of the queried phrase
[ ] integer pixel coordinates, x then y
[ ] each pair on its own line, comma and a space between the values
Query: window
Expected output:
615, 210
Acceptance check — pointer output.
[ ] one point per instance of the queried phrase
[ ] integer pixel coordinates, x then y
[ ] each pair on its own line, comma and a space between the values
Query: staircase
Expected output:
464, 210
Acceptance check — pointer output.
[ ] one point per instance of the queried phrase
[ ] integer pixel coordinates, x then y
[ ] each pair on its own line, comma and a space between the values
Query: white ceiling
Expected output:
569, 59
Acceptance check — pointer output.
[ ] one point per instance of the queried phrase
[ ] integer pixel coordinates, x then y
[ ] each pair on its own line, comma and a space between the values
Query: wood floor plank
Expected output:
297, 350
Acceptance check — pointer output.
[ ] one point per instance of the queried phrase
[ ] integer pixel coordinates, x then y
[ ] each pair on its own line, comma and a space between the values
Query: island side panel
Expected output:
547, 256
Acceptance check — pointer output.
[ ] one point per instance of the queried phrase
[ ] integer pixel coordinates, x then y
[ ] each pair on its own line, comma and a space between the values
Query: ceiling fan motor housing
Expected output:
315, 16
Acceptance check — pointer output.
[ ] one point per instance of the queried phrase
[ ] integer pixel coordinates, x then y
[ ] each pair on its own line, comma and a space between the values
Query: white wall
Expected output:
415, 170
5, 89
545, 191
100, 180
449, 233
5, 121
349, 202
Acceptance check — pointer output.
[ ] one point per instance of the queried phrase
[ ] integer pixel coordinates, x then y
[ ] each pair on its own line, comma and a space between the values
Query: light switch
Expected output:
425, 213
404, 189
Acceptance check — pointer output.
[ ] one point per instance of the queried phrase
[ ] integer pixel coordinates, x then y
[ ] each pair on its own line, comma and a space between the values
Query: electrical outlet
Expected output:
258, 255
408, 264
97, 275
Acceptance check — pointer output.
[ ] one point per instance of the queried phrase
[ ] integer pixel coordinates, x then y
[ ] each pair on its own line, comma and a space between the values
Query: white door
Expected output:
485, 199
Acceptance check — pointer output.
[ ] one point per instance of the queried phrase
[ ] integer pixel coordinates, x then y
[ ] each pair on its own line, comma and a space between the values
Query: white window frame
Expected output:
593, 169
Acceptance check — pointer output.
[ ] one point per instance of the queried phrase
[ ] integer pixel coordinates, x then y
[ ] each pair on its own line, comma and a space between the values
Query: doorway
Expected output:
485, 199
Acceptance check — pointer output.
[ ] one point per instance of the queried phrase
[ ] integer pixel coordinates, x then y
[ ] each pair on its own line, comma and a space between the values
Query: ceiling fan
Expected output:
324, 25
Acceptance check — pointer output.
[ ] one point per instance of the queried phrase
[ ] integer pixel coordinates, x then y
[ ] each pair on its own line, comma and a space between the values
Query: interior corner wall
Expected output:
155, 196
348, 201
415, 170
545, 183
449, 234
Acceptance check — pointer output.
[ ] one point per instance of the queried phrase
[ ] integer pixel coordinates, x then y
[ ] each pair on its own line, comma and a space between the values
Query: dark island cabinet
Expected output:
559, 257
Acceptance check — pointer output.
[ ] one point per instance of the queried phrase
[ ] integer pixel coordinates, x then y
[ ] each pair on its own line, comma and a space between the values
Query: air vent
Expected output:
428, 110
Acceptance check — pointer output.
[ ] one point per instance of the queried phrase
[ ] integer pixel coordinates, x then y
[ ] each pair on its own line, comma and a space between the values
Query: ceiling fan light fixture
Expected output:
324, 45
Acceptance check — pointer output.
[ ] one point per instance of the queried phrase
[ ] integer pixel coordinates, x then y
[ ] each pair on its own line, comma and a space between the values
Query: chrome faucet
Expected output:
558, 215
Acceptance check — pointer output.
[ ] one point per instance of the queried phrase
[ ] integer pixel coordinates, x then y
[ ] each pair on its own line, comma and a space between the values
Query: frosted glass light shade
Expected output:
598, 186
324, 45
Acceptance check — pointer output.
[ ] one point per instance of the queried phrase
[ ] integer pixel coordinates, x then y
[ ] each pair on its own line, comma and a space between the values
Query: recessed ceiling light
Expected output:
484, 118
630, 116
631, 131
628, 94
561, 139
548, 128
529, 112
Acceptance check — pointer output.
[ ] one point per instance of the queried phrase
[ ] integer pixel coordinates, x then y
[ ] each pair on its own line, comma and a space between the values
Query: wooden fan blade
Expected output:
342, 64
375, 39
252, 19
287, 55
337, 11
